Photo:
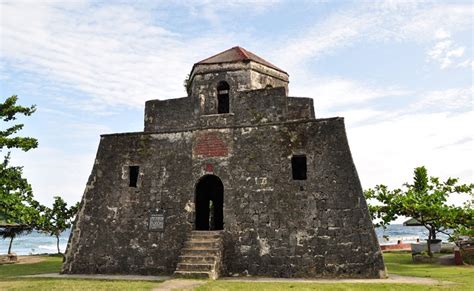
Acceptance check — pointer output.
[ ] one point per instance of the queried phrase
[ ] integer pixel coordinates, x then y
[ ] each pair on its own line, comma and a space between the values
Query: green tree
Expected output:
9, 111
17, 207
465, 230
57, 219
424, 200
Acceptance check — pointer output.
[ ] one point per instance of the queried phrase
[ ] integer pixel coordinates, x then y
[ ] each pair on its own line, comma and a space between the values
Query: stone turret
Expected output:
228, 72
234, 87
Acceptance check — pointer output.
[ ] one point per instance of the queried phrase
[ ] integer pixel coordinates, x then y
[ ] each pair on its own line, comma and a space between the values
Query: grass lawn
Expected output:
220, 285
397, 263
9, 279
400, 264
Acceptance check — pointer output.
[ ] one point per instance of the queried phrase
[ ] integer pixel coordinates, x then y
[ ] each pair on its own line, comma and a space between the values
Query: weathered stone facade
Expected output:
273, 224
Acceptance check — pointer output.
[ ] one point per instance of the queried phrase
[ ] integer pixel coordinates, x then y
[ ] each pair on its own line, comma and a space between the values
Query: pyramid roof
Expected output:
237, 54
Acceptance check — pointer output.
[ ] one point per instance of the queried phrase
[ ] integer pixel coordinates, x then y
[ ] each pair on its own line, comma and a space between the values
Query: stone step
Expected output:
200, 251
201, 256
194, 275
198, 259
198, 236
202, 244
205, 232
195, 267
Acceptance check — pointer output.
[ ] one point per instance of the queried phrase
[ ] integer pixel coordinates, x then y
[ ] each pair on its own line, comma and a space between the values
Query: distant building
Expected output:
235, 178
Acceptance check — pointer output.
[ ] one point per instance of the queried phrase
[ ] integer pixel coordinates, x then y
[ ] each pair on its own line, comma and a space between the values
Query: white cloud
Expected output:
446, 53
113, 53
466, 64
442, 34
381, 21
338, 30
216, 13
435, 19
386, 152
54, 172
331, 93
118, 56
448, 100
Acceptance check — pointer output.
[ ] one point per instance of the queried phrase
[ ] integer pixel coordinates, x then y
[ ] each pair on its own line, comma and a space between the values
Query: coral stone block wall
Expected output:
274, 225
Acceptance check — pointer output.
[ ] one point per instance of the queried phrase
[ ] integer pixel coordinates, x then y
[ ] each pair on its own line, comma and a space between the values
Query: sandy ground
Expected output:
29, 259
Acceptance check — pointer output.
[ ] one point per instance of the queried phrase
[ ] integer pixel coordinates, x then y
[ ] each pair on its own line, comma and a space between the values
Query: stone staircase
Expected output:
201, 256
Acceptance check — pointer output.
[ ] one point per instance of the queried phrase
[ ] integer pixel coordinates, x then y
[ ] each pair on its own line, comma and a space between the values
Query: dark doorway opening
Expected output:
223, 97
209, 203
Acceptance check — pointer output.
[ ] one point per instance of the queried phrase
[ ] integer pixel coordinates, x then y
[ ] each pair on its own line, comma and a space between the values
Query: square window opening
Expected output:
298, 166
133, 175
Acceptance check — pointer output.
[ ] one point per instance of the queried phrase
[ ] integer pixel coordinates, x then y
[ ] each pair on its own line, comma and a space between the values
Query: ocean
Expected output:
35, 243
396, 232
40, 243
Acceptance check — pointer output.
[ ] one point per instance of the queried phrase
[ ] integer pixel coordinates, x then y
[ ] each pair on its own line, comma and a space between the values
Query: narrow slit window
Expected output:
223, 98
298, 166
133, 175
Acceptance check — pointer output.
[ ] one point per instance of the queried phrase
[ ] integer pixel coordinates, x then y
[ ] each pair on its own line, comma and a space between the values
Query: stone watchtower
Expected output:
235, 178
233, 71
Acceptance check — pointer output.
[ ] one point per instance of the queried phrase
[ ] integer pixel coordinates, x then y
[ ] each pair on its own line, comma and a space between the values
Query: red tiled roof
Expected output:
237, 54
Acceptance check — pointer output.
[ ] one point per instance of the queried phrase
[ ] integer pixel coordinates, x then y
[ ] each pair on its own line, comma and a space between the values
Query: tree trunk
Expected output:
10, 245
433, 235
429, 242
57, 244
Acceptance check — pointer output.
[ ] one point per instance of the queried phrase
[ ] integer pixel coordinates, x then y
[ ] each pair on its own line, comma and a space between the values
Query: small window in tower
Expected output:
298, 166
133, 172
223, 97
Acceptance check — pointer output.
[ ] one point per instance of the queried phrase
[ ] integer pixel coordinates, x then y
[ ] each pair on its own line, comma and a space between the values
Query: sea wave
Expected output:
52, 248
35, 243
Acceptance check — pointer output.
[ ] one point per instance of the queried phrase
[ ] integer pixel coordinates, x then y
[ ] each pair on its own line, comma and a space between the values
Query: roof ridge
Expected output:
236, 54
243, 51
216, 55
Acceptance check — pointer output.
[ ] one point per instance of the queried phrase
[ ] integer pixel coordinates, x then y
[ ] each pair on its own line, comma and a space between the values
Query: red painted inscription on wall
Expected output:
210, 145
209, 168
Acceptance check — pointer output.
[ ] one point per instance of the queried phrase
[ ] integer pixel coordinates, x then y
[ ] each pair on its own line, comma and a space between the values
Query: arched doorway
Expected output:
209, 203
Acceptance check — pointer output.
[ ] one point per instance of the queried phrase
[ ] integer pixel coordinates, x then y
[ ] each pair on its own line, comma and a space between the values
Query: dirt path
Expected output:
181, 284
30, 259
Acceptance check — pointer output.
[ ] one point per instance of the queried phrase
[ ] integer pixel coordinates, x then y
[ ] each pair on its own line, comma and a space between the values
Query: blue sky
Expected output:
400, 72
